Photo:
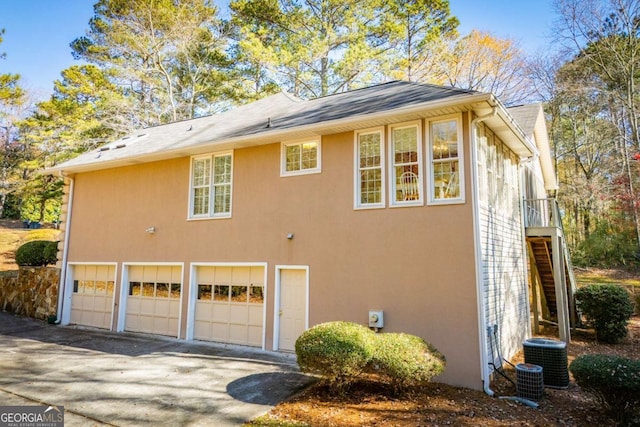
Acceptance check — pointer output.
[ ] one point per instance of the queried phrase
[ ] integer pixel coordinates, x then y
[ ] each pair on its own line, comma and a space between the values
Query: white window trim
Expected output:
432, 201
210, 215
391, 165
283, 157
356, 169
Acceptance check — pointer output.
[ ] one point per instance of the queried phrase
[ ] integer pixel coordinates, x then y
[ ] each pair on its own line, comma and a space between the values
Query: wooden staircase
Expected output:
540, 253
553, 284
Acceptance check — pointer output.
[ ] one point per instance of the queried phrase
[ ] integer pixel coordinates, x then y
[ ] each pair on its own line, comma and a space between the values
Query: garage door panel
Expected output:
255, 335
220, 332
220, 313
238, 334
231, 300
255, 315
153, 303
92, 295
239, 314
204, 312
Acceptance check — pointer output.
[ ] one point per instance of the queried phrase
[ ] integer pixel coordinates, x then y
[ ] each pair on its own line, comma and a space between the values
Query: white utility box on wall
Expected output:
376, 318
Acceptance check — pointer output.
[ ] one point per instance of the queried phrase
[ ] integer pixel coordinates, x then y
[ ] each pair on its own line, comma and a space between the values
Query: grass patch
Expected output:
594, 276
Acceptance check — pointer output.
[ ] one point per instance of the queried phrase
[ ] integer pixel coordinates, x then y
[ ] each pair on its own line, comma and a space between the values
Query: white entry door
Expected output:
153, 300
292, 310
92, 298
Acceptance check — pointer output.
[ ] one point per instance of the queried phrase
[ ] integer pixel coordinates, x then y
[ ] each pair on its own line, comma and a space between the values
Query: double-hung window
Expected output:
445, 153
211, 179
369, 172
406, 164
300, 158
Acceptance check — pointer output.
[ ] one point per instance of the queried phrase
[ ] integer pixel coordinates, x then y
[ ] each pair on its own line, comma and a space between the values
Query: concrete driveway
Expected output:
104, 378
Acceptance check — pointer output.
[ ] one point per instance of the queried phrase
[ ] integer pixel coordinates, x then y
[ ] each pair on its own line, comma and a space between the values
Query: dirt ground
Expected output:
442, 405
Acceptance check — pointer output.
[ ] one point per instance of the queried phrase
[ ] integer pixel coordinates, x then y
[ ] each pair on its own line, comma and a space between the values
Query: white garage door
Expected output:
92, 298
153, 303
230, 304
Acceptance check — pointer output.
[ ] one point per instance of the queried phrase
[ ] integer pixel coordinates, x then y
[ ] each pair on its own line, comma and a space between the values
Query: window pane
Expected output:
204, 292
89, 286
369, 150
201, 201
256, 295
405, 143
134, 289
175, 290
162, 290
221, 293
446, 182
309, 155
292, 153
110, 285
147, 289
222, 199
101, 287
239, 293
222, 169
75, 286
371, 186
444, 140
201, 172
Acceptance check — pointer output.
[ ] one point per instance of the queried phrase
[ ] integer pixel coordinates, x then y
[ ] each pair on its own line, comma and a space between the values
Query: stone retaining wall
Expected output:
32, 292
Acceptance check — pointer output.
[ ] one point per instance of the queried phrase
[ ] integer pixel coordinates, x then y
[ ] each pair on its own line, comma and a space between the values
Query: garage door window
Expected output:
231, 293
93, 287
154, 290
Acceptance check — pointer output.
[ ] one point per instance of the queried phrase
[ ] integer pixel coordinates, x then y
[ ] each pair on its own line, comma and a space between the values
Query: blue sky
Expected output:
38, 32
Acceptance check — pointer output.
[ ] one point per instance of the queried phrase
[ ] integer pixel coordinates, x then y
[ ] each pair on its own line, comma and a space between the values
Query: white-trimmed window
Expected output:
369, 169
211, 179
405, 161
446, 183
300, 157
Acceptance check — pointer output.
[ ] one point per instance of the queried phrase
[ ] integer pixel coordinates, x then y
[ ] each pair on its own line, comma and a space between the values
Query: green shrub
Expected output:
614, 380
37, 253
607, 308
405, 360
338, 351
341, 351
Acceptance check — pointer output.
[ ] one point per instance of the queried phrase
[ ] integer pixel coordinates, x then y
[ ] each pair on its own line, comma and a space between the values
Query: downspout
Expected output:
65, 249
478, 250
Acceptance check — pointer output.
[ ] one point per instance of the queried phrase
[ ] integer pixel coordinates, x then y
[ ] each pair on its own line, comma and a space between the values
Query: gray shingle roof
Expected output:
526, 116
277, 113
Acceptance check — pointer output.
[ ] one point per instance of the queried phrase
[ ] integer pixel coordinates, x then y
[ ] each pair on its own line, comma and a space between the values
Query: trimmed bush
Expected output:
338, 351
37, 253
341, 351
405, 360
614, 380
608, 309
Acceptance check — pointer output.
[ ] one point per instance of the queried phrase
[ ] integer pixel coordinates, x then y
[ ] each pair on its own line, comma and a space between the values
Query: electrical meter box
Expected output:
376, 318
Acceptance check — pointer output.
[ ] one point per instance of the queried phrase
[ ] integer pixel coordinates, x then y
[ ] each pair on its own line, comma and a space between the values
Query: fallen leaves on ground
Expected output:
370, 403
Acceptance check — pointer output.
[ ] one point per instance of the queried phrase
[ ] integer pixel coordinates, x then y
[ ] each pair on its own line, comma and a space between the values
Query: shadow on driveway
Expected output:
131, 379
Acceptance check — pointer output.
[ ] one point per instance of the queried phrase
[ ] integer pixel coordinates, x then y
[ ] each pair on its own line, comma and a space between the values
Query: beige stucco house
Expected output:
249, 226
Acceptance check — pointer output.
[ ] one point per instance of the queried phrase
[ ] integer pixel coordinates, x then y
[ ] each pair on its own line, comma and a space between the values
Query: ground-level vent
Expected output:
551, 355
529, 381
